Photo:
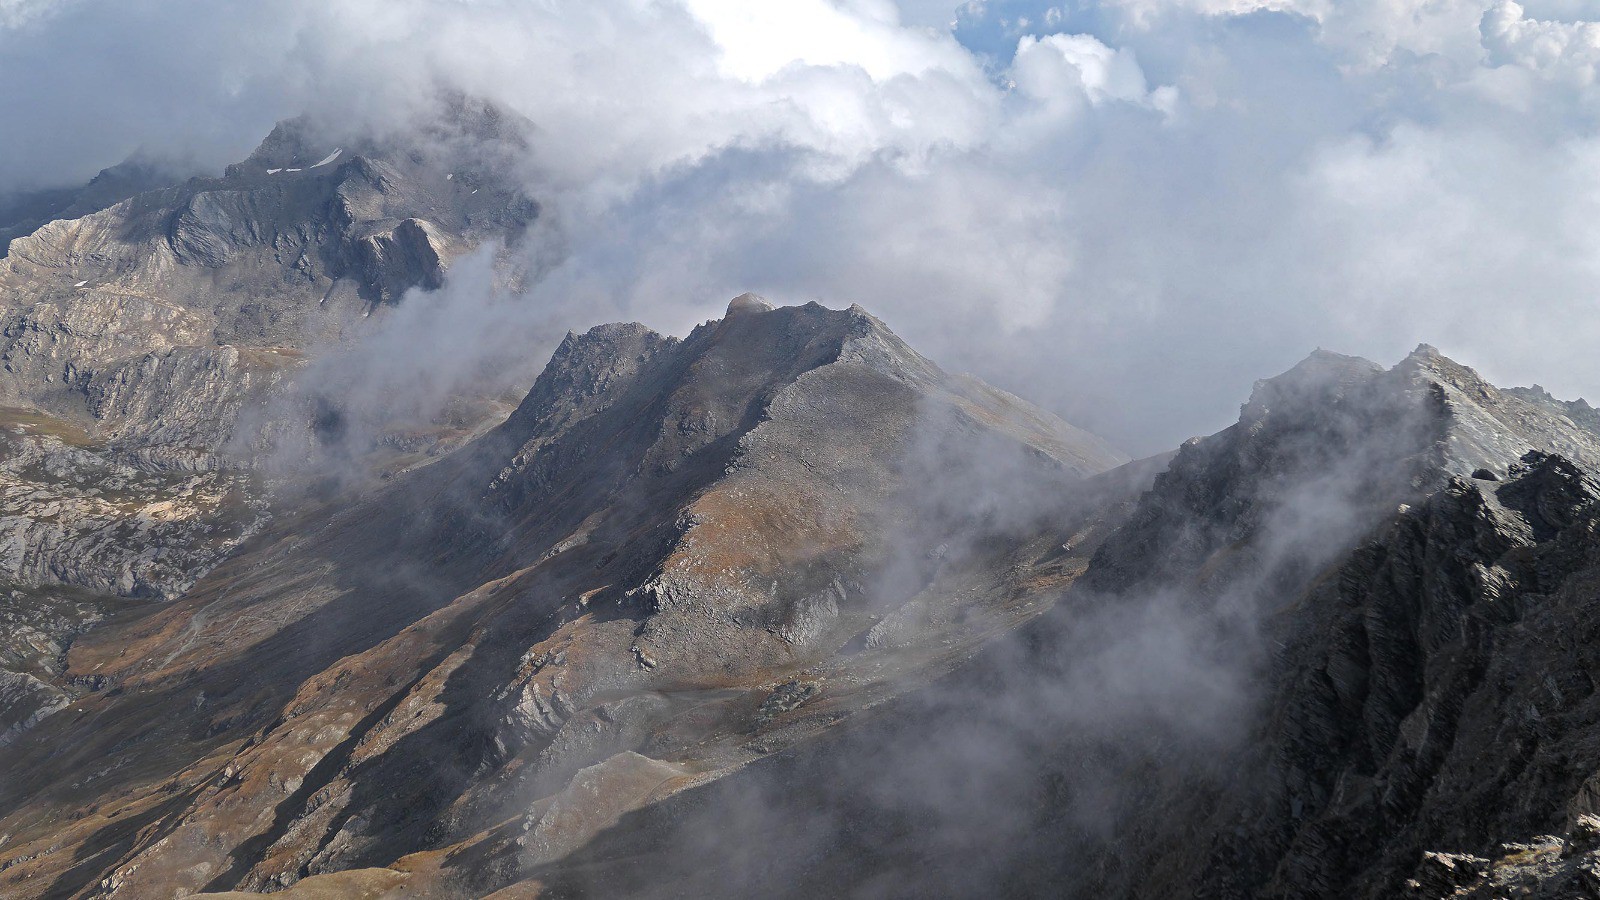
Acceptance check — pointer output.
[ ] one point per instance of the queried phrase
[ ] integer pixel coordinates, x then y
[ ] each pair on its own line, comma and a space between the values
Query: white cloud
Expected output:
17, 13
1367, 32
1148, 13
757, 40
1057, 65
1566, 51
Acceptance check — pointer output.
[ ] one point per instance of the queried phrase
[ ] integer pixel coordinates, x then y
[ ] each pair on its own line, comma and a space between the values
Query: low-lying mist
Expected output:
1032, 766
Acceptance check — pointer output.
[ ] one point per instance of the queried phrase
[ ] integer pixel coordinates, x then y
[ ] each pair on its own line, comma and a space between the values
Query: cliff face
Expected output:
674, 558
1440, 695
1400, 567
1430, 691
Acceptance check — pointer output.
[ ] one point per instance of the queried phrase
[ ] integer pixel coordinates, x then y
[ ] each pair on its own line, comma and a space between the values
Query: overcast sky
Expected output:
1126, 210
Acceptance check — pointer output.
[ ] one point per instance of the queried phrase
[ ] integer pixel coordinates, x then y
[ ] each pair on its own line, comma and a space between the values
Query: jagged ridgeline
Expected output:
779, 608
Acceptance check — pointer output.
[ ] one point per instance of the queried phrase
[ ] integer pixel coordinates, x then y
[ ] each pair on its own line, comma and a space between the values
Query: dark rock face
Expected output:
1433, 693
1418, 678
1428, 685
1402, 686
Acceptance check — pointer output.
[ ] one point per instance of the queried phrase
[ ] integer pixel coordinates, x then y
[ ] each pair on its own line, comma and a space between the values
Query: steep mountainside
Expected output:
140, 318
1318, 658
675, 558
1400, 643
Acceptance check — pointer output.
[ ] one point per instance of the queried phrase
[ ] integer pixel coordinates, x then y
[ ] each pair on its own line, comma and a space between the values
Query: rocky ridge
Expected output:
711, 589
1383, 686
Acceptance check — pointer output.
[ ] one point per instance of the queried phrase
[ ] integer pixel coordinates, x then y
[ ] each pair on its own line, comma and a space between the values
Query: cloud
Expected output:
754, 43
1566, 50
17, 13
1124, 209
1058, 66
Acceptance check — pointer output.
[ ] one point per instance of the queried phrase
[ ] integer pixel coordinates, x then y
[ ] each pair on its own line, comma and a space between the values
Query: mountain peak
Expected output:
292, 142
1478, 424
1492, 427
1323, 374
748, 303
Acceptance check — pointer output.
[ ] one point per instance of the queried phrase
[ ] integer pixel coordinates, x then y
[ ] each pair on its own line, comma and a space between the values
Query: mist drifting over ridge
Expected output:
1126, 210
401, 508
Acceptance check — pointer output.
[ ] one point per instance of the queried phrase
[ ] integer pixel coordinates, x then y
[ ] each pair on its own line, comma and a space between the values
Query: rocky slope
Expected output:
675, 558
153, 321
141, 316
1318, 658
72, 513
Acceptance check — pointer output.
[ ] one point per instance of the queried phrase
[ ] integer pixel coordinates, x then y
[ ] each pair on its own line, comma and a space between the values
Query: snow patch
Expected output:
273, 171
80, 284
327, 159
